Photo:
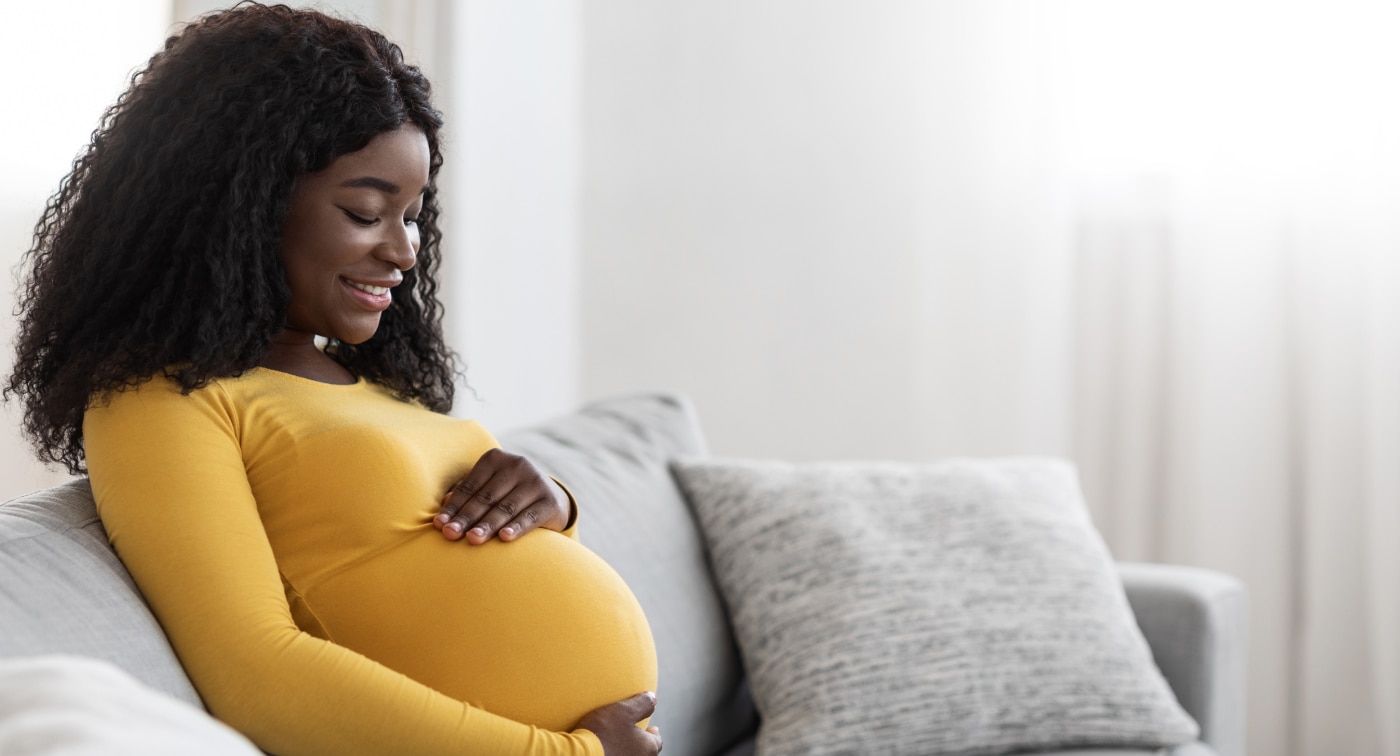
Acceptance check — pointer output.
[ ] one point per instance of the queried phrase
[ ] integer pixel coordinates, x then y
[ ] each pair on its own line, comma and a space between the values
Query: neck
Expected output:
296, 353
288, 337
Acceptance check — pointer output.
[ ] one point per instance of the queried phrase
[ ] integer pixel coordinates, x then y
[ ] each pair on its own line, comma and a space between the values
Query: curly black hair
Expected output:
158, 255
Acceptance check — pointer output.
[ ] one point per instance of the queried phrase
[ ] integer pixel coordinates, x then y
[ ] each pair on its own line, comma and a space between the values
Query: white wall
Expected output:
67, 62
778, 220
511, 283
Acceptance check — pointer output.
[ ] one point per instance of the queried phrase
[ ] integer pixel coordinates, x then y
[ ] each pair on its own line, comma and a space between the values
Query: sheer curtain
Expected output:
1238, 271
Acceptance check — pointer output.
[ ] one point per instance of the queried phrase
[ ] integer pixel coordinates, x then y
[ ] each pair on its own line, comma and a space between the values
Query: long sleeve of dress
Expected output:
173, 493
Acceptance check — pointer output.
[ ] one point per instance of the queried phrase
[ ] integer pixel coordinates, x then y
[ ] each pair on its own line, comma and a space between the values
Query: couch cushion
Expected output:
964, 607
614, 457
65, 592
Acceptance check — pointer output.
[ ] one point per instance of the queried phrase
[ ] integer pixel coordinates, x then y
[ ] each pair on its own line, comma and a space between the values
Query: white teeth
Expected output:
377, 291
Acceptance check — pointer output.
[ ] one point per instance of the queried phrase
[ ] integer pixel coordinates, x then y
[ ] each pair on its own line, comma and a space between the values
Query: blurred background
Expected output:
1158, 238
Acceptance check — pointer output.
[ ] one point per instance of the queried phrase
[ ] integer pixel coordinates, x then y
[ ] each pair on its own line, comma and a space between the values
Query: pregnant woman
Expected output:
231, 324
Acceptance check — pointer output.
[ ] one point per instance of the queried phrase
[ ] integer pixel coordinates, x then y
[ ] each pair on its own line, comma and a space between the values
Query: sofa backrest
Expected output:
62, 590
614, 456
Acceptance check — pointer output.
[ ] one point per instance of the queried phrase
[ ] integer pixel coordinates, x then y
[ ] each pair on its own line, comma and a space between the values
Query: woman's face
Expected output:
351, 233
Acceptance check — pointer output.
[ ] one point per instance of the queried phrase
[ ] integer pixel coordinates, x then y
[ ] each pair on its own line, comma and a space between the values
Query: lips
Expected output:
373, 297
377, 291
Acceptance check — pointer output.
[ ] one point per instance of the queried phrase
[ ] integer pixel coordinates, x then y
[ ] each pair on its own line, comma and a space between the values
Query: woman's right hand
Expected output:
616, 725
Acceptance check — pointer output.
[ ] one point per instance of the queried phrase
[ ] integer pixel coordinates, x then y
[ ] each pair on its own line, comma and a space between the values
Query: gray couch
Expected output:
62, 590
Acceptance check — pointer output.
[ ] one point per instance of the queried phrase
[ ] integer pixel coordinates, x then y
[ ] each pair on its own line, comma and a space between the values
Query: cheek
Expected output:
317, 253
310, 275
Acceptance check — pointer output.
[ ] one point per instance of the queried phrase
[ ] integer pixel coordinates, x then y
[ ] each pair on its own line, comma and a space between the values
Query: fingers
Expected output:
490, 484
616, 725
638, 707
629, 710
466, 502
504, 494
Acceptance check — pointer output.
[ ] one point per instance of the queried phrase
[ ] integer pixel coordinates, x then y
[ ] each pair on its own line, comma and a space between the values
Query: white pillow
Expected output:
76, 706
962, 607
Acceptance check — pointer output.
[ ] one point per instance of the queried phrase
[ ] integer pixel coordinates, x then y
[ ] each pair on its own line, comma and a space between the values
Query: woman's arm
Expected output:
169, 479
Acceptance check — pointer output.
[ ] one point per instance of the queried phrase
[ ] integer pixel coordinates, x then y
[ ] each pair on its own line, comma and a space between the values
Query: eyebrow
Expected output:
379, 184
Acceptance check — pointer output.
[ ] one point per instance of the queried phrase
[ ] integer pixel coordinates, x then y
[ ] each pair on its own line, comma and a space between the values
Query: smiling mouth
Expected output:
377, 291
369, 297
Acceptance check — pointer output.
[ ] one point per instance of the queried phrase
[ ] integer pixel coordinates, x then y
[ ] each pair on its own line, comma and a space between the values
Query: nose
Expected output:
400, 248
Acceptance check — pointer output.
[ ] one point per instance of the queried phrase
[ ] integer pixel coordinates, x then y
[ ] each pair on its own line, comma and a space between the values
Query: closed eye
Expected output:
361, 220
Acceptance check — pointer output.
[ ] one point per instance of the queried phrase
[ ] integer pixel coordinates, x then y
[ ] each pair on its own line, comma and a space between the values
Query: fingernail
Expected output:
455, 527
508, 532
480, 532
441, 518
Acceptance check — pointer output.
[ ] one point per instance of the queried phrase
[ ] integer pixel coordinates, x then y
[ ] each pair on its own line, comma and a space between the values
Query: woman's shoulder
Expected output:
161, 403
254, 396
164, 386
156, 399
256, 381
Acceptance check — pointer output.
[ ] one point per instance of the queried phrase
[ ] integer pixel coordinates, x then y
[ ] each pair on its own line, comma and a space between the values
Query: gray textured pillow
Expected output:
961, 607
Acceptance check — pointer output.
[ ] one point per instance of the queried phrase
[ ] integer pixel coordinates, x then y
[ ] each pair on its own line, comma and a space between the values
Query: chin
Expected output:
356, 335
355, 339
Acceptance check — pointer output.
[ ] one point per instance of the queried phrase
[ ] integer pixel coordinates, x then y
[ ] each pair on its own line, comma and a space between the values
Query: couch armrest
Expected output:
1195, 620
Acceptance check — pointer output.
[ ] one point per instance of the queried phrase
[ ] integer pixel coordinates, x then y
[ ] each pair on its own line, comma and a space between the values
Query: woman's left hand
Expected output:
505, 495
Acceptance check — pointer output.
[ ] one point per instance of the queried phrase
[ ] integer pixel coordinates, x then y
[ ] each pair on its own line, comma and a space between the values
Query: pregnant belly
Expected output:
541, 630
